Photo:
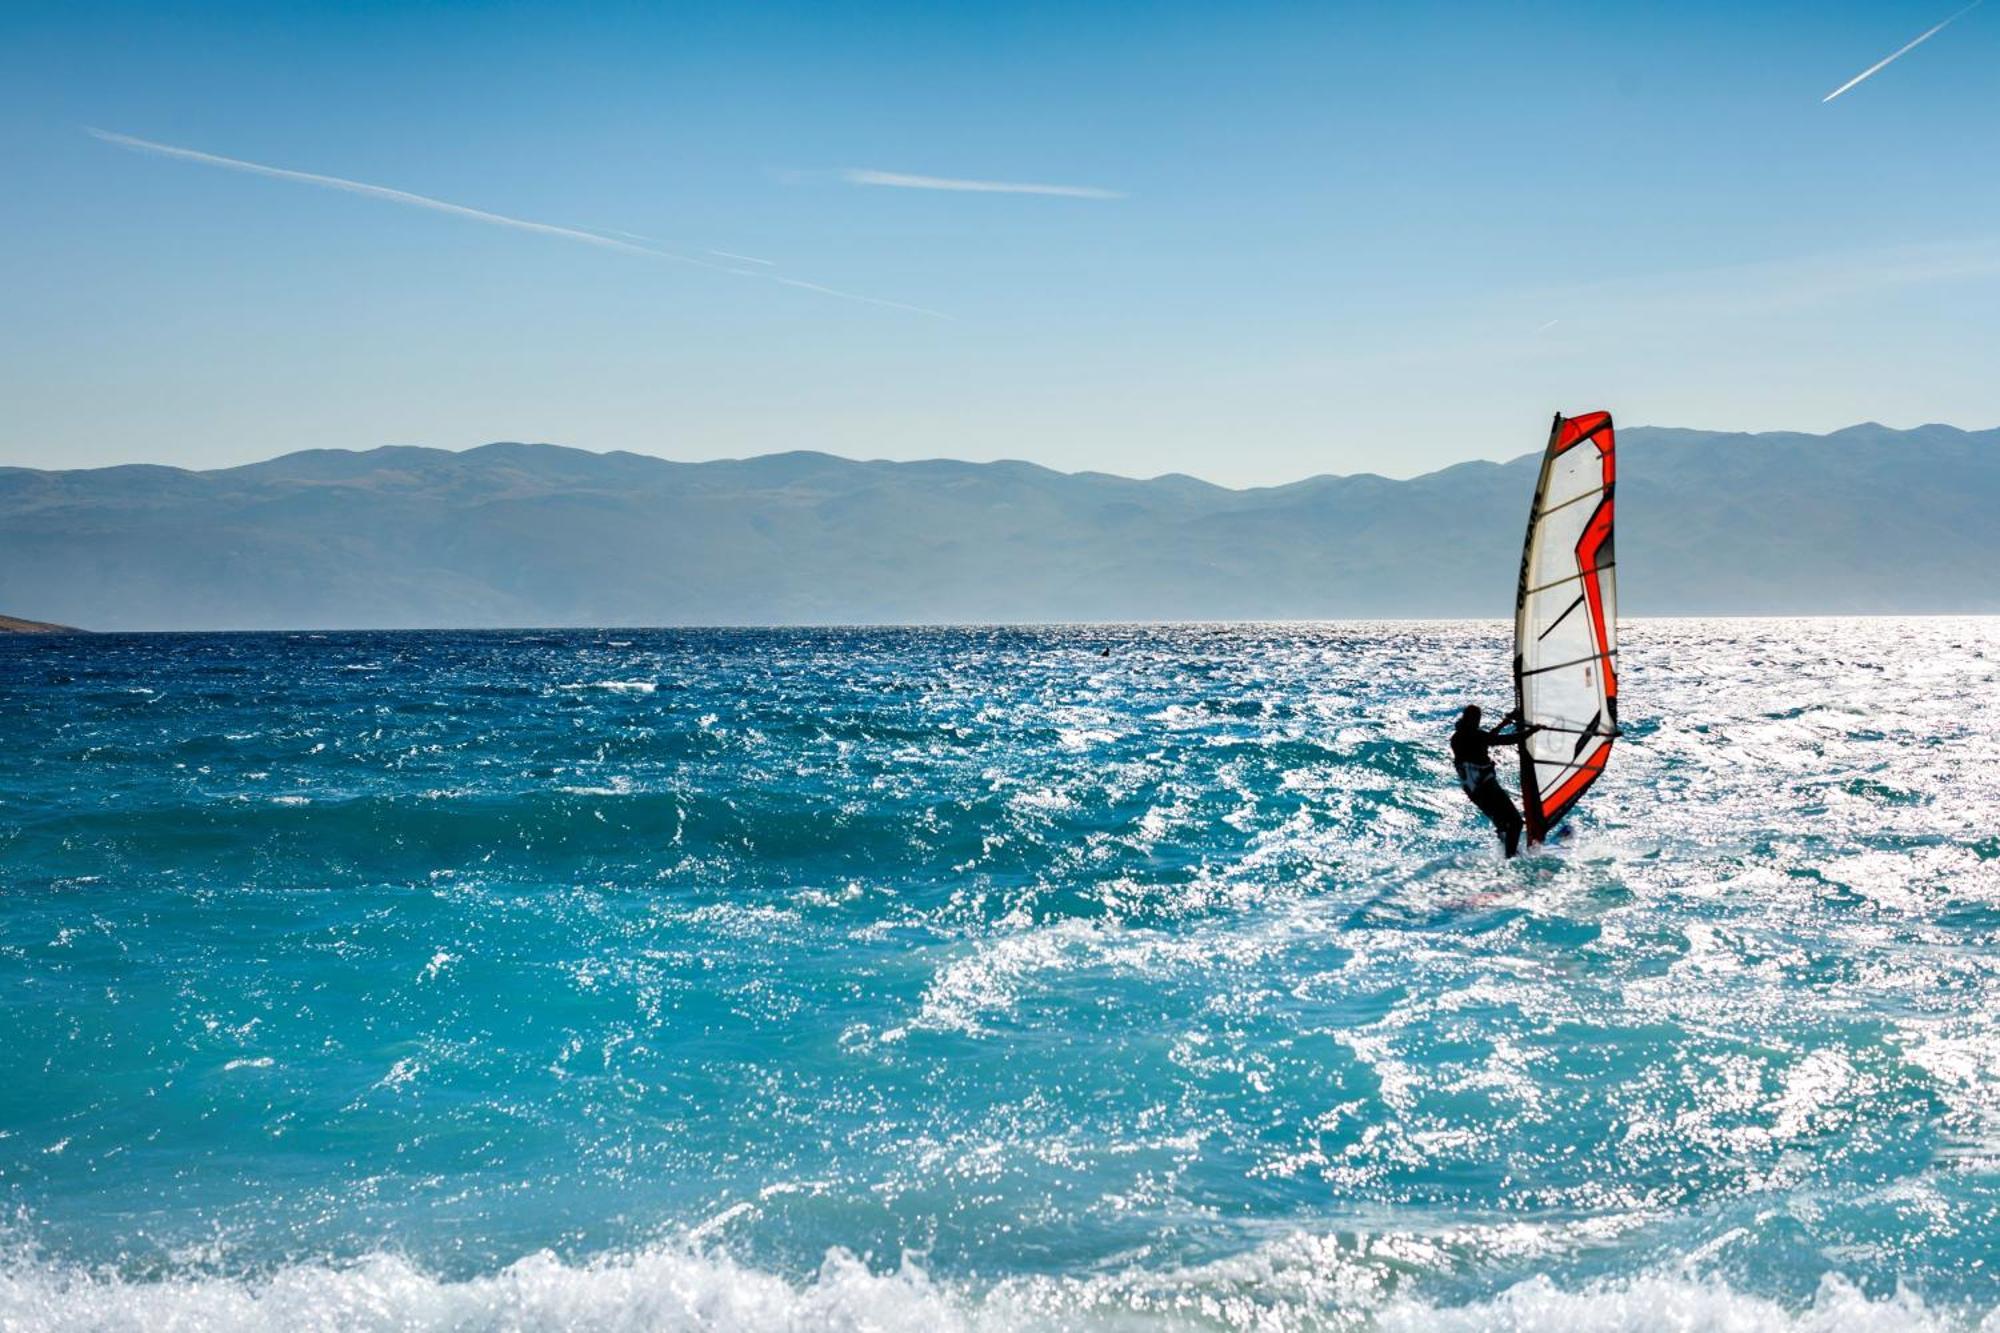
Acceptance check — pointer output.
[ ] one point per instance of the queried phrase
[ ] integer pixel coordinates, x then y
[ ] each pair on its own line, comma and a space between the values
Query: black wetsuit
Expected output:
1469, 747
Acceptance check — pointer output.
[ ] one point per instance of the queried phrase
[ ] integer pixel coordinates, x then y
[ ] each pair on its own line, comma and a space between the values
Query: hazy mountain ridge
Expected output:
1866, 519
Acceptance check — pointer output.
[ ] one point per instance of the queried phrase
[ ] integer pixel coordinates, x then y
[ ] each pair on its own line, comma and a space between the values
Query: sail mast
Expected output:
1531, 800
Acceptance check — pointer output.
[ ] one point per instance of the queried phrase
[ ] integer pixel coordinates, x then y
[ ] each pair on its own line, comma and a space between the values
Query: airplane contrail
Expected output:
474, 214
1900, 52
904, 181
379, 192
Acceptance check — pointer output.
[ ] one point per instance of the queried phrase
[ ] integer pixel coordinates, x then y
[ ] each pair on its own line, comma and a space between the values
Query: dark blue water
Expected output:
969, 978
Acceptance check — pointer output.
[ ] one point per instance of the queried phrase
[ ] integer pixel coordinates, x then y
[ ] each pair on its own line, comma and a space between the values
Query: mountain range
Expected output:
1866, 519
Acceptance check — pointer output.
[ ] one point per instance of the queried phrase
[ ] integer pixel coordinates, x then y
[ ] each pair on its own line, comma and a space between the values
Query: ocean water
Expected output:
970, 979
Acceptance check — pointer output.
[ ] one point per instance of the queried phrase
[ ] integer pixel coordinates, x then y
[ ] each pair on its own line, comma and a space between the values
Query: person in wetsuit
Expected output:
1470, 754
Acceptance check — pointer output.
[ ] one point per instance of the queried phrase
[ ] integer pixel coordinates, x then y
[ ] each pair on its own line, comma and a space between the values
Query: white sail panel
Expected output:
1566, 623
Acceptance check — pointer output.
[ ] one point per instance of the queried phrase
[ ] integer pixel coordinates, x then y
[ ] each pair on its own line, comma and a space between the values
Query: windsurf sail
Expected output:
1566, 623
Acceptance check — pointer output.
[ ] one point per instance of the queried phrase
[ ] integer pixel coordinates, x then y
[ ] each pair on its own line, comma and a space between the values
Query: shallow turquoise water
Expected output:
966, 978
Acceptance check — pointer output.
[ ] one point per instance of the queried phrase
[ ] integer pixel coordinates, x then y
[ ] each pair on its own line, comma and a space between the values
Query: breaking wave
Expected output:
676, 1289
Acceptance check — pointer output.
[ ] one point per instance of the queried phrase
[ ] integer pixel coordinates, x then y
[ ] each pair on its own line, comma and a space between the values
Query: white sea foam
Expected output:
1647, 1304
664, 1290
676, 1289
619, 785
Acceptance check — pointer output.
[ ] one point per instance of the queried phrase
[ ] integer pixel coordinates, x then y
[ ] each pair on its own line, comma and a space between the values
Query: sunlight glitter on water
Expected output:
967, 978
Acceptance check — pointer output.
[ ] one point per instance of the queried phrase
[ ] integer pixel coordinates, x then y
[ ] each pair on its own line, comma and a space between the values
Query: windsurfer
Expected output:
1471, 749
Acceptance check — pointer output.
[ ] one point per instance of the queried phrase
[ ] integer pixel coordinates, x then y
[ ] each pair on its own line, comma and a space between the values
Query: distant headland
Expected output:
15, 625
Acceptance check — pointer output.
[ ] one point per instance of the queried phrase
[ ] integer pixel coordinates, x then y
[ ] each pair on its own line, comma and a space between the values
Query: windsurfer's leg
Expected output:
1494, 802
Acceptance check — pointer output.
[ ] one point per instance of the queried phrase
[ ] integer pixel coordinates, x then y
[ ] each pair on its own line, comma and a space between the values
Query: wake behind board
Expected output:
1566, 623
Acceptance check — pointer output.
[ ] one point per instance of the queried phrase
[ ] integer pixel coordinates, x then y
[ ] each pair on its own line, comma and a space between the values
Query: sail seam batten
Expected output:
1575, 661
1571, 578
1574, 499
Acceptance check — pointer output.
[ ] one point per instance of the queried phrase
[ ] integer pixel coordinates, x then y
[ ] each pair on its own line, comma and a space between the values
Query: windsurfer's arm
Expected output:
1500, 735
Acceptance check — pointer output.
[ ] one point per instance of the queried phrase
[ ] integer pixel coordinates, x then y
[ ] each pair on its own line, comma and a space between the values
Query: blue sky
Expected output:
1327, 239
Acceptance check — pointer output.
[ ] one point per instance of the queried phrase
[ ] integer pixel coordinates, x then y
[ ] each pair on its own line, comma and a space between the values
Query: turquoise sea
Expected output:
973, 979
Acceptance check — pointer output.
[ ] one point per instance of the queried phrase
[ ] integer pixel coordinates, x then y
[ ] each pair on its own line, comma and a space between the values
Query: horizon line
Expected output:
793, 626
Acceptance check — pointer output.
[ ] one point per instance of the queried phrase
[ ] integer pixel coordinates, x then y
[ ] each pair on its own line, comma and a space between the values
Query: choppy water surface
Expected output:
942, 979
